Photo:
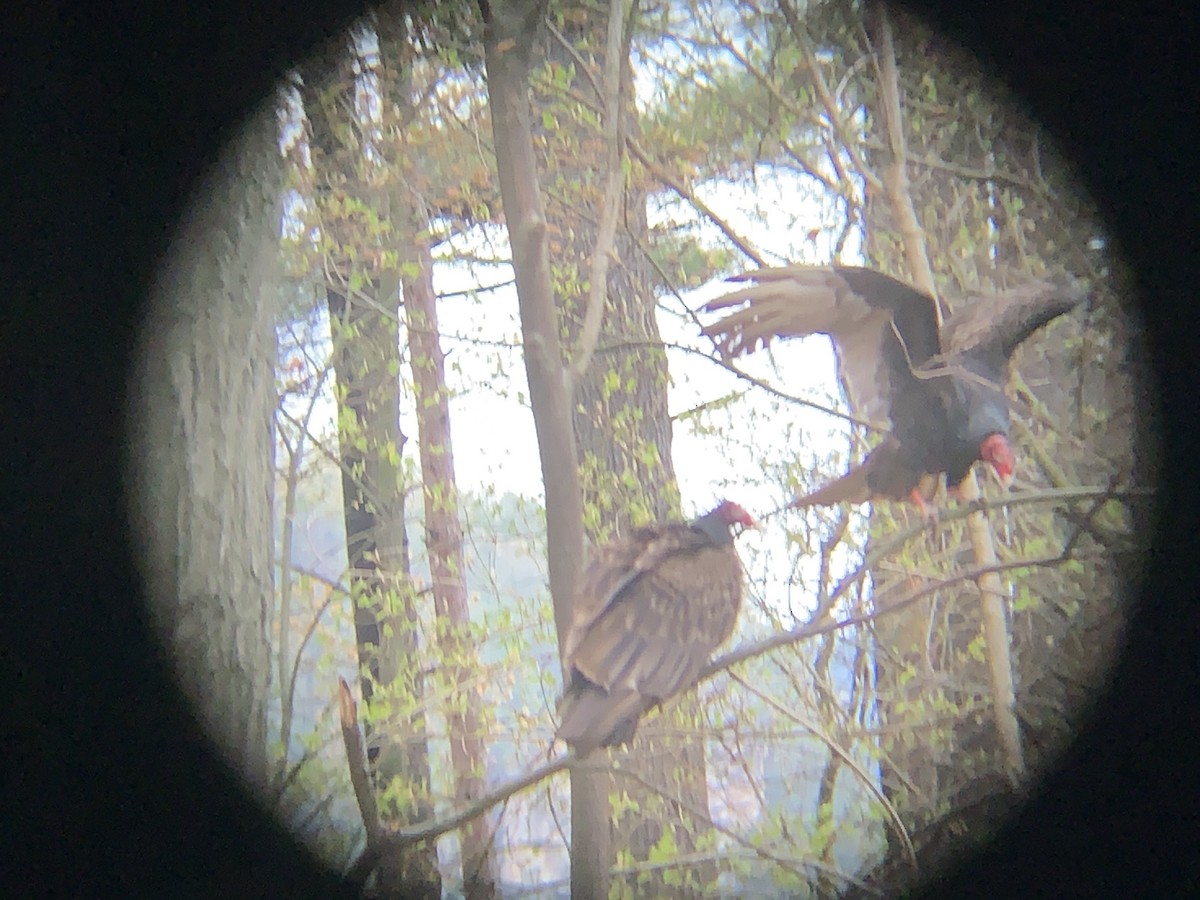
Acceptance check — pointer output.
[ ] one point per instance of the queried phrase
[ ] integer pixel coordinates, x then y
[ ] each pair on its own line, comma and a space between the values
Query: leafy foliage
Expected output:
757, 138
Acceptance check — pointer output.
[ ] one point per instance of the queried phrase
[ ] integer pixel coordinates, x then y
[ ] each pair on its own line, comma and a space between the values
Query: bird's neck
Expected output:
714, 528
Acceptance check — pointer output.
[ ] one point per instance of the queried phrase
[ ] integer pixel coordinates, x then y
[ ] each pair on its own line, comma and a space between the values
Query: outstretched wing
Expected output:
989, 328
979, 339
881, 327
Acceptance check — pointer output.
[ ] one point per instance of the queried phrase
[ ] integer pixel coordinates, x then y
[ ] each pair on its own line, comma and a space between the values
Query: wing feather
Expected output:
990, 328
651, 638
591, 718
649, 613
881, 327
616, 566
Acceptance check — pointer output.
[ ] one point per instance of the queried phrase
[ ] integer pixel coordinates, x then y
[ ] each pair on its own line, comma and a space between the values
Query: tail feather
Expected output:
850, 488
592, 718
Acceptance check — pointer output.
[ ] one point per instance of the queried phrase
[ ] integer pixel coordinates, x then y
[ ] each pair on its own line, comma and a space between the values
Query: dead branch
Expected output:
611, 203
356, 760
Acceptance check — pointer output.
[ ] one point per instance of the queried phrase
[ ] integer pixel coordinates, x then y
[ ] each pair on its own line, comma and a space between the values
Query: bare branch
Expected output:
690, 196
611, 203
786, 638
401, 838
729, 366
356, 760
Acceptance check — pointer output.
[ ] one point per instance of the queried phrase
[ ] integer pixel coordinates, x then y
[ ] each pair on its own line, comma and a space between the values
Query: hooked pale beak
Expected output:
997, 452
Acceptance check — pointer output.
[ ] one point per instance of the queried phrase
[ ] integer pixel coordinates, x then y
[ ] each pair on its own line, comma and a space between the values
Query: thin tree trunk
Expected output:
991, 591
621, 421
465, 717
508, 42
935, 784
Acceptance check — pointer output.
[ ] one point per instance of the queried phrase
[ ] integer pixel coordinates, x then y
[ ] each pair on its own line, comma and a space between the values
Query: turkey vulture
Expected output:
941, 392
649, 612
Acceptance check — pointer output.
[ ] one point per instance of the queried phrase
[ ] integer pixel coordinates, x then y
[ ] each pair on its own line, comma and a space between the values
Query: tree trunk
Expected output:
205, 477
466, 718
620, 417
508, 43
365, 329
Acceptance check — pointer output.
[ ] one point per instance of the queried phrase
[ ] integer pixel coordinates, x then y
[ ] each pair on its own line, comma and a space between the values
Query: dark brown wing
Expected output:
979, 339
614, 566
648, 617
881, 327
989, 327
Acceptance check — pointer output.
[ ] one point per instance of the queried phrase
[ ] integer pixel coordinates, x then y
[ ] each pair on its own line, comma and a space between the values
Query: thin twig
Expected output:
610, 205
845, 756
401, 838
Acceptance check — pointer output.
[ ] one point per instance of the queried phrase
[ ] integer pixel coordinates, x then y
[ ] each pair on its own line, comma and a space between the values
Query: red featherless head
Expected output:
732, 514
997, 451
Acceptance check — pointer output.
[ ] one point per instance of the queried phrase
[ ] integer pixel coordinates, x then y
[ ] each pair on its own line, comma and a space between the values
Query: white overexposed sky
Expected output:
495, 443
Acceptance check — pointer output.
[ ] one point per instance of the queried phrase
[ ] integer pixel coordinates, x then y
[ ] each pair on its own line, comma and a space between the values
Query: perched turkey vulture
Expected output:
649, 612
941, 392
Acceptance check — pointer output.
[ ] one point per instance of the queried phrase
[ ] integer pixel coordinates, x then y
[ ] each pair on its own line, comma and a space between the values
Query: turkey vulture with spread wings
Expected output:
649, 612
941, 392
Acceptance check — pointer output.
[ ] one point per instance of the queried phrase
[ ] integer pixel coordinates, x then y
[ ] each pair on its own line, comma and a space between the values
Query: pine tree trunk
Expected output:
621, 424
205, 477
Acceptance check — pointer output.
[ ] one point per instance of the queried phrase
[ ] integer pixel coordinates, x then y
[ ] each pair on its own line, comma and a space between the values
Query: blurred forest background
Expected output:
434, 335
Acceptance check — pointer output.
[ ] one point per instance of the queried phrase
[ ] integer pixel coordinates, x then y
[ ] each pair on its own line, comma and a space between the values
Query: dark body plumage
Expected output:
940, 392
649, 612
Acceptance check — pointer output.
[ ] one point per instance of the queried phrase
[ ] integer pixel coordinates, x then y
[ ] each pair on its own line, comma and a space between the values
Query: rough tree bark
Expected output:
619, 404
204, 476
365, 329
